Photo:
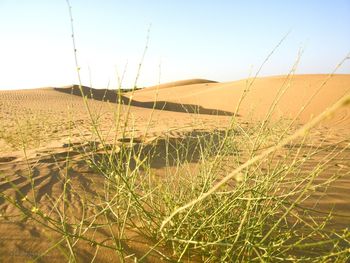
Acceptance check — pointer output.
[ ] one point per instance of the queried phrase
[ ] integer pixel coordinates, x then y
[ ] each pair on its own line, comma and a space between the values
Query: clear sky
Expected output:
221, 40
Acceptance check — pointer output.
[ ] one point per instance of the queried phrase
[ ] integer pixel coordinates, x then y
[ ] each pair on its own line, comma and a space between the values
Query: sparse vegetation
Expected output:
260, 215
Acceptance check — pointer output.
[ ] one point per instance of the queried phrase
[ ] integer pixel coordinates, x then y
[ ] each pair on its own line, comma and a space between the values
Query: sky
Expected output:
222, 40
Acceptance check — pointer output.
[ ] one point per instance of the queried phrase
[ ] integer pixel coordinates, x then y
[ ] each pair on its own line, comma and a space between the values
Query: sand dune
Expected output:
315, 92
40, 128
295, 93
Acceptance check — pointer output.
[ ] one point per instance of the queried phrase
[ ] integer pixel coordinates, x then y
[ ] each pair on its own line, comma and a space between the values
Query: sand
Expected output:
40, 127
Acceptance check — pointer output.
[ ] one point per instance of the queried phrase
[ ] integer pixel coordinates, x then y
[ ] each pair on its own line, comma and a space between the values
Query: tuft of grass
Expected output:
258, 215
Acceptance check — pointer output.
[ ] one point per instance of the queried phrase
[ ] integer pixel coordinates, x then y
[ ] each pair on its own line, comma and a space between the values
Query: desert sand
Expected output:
39, 128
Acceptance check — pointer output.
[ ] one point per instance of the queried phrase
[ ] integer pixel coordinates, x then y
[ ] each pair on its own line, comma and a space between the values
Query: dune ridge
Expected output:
225, 96
210, 97
181, 83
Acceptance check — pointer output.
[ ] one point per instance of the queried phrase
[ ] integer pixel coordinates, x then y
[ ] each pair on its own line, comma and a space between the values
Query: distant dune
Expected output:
181, 83
210, 97
293, 94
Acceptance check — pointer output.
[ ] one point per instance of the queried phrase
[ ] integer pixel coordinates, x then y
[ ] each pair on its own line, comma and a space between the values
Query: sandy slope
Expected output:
292, 93
49, 123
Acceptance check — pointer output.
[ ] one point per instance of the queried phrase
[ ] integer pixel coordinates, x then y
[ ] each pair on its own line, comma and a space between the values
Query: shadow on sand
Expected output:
165, 151
112, 96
